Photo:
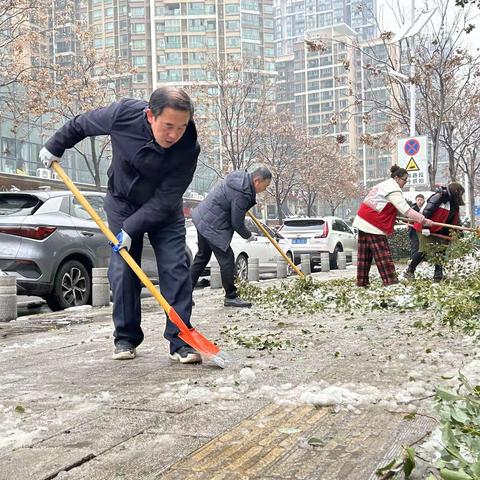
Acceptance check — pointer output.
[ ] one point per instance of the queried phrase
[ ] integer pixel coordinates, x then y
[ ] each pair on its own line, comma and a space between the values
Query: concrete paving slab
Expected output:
63, 377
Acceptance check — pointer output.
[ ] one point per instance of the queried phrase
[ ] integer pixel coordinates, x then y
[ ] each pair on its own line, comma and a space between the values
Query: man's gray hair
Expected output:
262, 172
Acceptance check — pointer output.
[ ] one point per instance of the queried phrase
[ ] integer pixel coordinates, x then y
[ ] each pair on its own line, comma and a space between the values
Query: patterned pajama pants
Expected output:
374, 247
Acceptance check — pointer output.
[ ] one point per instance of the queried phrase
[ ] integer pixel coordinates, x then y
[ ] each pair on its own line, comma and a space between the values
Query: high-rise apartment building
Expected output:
325, 88
169, 42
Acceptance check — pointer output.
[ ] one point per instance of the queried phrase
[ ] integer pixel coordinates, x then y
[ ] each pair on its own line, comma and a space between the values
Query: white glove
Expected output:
252, 238
124, 241
47, 158
426, 232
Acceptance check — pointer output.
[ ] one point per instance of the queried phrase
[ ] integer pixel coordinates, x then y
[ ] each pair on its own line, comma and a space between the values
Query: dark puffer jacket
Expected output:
146, 182
440, 208
223, 211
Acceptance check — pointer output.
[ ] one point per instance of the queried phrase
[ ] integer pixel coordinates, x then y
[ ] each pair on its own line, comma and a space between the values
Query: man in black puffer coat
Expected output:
155, 153
220, 215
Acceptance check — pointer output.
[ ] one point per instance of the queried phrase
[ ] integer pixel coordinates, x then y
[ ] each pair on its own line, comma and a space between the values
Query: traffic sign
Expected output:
413, 156
412, 146
412, 166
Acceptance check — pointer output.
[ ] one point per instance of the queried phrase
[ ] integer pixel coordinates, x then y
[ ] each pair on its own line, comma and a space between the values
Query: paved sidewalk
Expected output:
327, 402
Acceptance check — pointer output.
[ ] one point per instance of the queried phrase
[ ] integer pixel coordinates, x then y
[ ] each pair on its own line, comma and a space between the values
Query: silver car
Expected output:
50, 243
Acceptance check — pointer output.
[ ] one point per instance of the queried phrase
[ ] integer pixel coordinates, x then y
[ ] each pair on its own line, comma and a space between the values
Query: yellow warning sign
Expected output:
412, 165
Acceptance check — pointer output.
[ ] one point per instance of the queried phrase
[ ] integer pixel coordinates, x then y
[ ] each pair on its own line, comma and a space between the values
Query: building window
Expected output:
233, 42
109, 27
232, 25
138, 45
250, 5
173, 42
232, 8
174, 58
196, 8
138, 27
109, 12
139, 61
172, 25
137, 12
196, 41
197, 74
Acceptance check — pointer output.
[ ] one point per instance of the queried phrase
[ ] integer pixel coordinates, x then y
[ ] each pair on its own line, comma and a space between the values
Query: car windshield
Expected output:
18, 204
304, 224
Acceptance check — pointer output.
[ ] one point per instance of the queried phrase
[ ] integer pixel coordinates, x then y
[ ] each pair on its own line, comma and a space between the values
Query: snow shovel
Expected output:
189, 335
276, 245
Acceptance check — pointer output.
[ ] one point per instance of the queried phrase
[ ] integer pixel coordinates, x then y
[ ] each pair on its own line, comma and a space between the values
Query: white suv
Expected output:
318, 235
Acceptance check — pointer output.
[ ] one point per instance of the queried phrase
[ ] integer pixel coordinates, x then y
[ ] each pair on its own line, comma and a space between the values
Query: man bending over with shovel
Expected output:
217, 218
155, 153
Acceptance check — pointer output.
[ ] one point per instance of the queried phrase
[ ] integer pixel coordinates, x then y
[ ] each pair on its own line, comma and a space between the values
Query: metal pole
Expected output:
413, 92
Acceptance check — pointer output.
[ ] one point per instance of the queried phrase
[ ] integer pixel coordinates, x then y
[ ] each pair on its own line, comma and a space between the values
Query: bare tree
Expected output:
234, 101
23, 24
281, 144
93, 79
444, 70
311, 167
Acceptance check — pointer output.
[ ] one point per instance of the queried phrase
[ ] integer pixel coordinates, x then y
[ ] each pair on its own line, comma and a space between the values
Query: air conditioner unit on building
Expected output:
43, 173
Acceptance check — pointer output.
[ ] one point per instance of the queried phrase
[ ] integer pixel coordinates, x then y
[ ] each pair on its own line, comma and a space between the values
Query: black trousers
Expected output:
414, 241
168, 243
226, 261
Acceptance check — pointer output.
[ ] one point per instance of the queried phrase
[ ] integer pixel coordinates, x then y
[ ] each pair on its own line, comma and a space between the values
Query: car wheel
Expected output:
72, 286
241, 267
334, 256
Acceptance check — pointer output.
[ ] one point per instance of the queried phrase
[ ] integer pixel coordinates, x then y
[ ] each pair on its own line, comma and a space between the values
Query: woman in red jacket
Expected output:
375, 220
443, 207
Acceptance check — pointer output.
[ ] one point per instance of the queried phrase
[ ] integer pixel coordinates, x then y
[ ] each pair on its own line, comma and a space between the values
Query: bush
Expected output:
400, 244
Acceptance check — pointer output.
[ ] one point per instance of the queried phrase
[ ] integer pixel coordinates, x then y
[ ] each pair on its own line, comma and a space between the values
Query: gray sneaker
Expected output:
237, 302
408, 275
186, 354
124, 351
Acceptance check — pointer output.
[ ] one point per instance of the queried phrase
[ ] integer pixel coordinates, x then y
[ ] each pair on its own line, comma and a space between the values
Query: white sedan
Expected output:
262, 249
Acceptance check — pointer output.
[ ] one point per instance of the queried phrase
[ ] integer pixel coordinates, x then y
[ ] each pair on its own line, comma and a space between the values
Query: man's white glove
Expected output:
426, 232
47, 158
252, 238
124, 241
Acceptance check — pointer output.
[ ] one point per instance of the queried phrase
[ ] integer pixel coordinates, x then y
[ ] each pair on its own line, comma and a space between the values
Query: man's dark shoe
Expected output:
124, 351
237, 302
186, 354
408, 275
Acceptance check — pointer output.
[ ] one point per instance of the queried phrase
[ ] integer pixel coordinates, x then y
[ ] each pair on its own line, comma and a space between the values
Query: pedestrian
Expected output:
375, 220
412, 234
155, 151
443, 207
217, 218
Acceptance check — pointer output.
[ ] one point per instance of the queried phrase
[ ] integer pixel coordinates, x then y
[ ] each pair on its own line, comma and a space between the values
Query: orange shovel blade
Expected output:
200, 343
196, 340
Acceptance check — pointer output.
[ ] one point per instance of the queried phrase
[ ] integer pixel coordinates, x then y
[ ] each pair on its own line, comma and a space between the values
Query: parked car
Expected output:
50, 243
319, 235
262, 249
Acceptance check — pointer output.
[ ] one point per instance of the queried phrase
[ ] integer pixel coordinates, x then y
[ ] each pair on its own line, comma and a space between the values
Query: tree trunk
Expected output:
96, 166
279, 209
471, 197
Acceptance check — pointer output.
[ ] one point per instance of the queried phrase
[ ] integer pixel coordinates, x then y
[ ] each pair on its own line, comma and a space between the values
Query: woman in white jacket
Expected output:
375, 220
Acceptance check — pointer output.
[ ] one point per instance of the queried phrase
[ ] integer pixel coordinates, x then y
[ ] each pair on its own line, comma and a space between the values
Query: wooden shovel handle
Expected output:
275, 244
113, 239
